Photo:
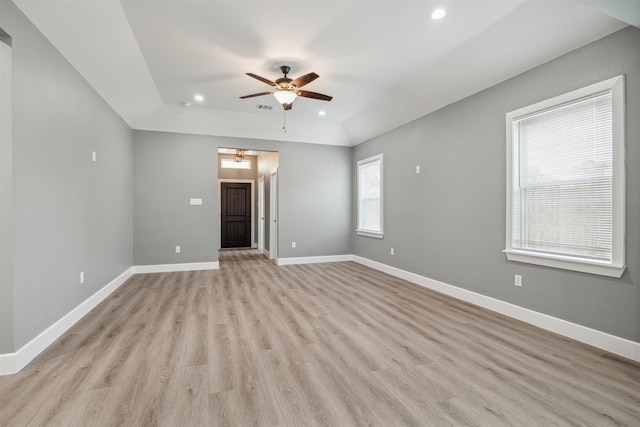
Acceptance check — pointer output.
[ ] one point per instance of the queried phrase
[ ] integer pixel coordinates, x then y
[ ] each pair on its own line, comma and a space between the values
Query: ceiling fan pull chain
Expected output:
284, 120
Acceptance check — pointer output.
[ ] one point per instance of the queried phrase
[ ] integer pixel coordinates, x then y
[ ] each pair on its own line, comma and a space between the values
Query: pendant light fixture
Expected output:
239, 155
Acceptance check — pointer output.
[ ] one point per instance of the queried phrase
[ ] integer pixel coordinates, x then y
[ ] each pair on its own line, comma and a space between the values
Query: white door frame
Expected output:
261, 214
253, 218
273, 217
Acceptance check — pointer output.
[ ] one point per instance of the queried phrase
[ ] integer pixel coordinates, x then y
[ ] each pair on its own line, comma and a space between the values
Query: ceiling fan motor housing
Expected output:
283, 82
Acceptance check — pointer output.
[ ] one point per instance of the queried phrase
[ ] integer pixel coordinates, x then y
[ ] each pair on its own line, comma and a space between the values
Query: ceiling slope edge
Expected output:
625, 10
204, 121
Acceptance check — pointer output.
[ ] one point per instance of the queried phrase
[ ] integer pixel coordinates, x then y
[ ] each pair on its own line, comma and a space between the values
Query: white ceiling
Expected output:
384, 62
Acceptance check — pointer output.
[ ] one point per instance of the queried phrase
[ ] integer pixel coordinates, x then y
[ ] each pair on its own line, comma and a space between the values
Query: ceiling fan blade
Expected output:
303, 80
288, 106
256, 94
262, 79
314, 95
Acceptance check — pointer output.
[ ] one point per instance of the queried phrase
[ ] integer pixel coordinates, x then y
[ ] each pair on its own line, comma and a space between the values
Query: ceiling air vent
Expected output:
264, 107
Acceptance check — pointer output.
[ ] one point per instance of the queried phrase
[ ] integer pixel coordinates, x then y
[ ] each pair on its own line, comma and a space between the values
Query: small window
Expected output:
370, 197
566, 181
233, 164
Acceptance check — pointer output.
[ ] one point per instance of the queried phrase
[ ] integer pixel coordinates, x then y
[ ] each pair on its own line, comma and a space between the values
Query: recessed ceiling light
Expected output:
198, 98
438, 13
322, 113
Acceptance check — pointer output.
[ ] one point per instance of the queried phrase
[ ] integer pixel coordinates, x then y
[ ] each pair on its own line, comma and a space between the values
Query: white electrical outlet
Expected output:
518, 281
392, 251
177, 249
417, 169
81, 277
293, 244
94, 156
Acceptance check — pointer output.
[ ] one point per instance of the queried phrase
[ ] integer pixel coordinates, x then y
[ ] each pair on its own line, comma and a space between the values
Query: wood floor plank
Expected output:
335, 344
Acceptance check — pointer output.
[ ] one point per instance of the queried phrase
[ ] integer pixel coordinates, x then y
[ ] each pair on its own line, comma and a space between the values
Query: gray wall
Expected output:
315, 200
314, 205
448, 223
169, 170
69, 213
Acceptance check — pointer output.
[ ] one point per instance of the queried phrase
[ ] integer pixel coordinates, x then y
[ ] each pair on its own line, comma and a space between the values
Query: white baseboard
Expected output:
611, 343
171, 268
8, 364
314, 259
13, 362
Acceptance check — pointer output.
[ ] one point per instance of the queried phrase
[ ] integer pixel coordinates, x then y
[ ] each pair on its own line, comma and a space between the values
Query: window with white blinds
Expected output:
566, 181
370, 197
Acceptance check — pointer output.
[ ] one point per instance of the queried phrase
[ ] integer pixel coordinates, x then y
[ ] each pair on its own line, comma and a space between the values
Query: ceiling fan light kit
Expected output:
285, 96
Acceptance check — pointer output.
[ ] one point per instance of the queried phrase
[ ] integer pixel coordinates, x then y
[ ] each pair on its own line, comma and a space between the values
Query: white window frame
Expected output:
378, 234
616, 267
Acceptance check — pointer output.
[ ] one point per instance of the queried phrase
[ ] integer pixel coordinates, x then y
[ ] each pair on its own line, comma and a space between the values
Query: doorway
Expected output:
237, 165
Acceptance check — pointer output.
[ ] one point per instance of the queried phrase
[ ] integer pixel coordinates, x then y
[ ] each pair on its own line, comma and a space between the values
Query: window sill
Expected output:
366, 233
566, 263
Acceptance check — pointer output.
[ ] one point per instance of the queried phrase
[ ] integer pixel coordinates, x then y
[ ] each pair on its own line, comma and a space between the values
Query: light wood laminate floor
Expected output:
327, 344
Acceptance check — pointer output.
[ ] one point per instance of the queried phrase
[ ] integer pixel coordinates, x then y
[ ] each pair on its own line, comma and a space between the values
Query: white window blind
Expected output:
564, 175
566, 181
370, 196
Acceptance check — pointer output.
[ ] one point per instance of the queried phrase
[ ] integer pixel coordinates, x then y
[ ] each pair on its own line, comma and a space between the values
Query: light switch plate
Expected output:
195, 202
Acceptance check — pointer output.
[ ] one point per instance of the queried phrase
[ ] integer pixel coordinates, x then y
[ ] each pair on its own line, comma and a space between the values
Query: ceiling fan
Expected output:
286, 89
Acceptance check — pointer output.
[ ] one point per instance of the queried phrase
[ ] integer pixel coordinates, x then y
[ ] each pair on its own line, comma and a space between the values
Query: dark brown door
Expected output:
236, 215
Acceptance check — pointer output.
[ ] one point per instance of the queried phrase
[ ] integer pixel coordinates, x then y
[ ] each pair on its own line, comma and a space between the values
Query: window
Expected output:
566, 181
232, 164
370, 197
